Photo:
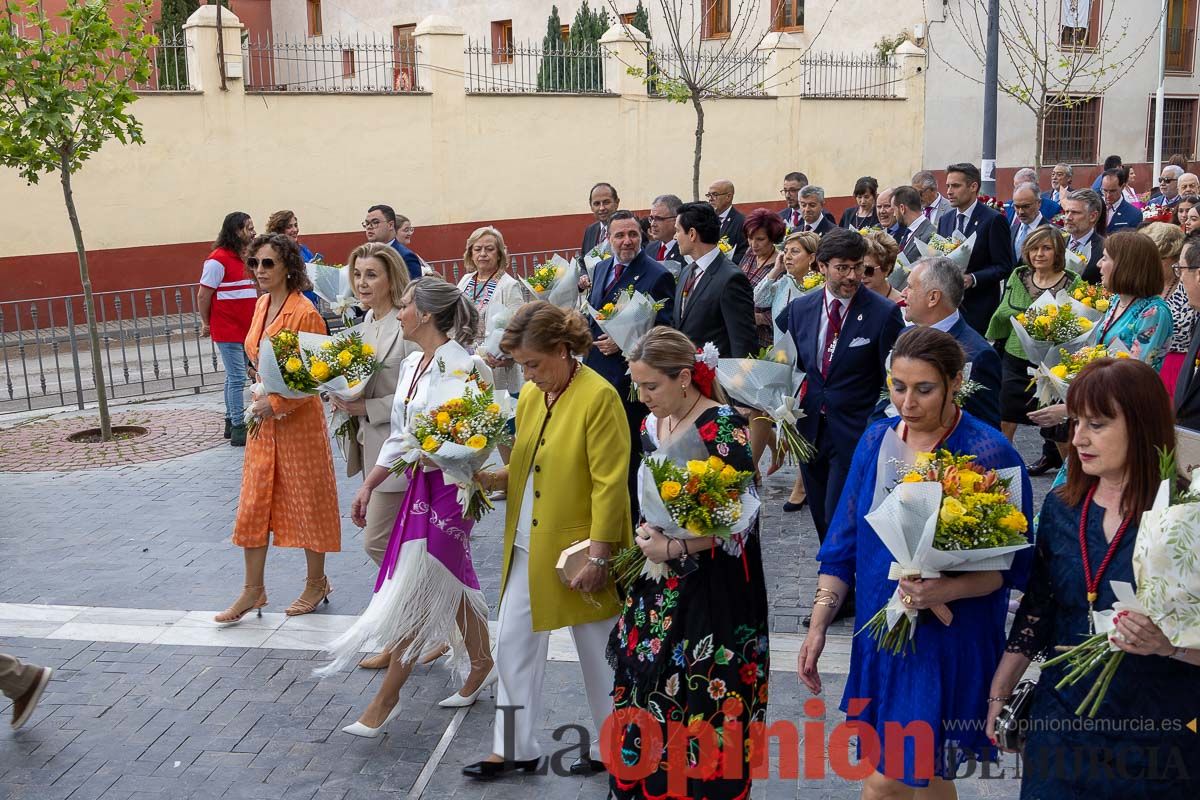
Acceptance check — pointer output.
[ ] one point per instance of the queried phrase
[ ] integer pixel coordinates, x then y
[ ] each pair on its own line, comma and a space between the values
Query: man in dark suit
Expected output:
843, 336
662, 246
380, 226
1028, 216
910, 215
604, 202
1083, 211
1060, 183
714, 301
1118, 212
992, 258
628, 267
935, 290
812, 211
1187, 387
1048, 207
793, 182
720, 195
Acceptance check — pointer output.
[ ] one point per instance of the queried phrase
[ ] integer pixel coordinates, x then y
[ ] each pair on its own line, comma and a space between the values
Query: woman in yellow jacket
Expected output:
567, 482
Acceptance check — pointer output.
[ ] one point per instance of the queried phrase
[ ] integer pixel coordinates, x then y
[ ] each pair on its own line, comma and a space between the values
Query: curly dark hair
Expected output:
289, 251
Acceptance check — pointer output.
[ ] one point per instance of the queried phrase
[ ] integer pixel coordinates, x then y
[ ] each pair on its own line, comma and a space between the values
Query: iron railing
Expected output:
362, 64
150, 343
844, 76
721, 74
535, 69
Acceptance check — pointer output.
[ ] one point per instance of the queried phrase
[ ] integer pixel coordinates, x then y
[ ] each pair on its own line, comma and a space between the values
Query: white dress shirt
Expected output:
967, 212
944, 325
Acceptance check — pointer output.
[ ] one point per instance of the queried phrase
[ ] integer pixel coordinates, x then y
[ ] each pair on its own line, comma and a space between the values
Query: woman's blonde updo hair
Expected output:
670, 352
542, 327
450, 311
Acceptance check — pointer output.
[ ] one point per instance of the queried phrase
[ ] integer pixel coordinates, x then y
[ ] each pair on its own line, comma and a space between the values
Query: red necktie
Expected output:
616, 276
662, 251
795, 217
833, 329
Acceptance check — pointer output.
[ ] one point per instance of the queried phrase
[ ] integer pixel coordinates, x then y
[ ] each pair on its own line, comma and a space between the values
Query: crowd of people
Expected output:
694, 645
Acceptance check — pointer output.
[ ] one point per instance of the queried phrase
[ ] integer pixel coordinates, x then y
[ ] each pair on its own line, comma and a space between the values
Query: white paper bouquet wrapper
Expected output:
632, 319
1167, 569
1037, 350
899, 277
595, 256
494, 333
269, 375
961, 255
564, 291
688, 447
776, 295
332, 284
905, 519
1048, 387
339, 386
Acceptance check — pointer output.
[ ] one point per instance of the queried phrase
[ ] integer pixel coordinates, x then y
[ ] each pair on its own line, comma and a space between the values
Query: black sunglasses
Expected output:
868, 271
253, 263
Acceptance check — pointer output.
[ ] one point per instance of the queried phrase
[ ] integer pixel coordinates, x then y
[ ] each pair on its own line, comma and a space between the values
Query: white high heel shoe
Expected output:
358, 729
458, 700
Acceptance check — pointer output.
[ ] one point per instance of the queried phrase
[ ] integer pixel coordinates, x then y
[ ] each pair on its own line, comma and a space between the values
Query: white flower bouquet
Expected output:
957, 248
556, 282
770, 384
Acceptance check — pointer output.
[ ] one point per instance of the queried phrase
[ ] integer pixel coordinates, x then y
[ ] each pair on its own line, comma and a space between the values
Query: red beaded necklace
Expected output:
1093, 581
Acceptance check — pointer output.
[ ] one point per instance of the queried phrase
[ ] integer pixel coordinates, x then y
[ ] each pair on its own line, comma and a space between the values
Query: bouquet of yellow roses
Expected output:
340, 365
457, 430
281, 371
556, 282
1053, 376
956, 247
687, 497
1093, 297
1053, 321
944, 512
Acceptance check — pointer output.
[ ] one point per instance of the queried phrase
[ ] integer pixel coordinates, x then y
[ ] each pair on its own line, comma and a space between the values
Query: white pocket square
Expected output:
858, 341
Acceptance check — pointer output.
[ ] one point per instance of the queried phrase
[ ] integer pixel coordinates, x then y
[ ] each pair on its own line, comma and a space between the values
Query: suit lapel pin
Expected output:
860, 317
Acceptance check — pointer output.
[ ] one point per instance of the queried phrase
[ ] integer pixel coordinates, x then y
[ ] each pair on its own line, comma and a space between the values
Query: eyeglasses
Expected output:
846, 269
1179, 269
786, 191
252, 263
868, 271
372, 223
712, 195
653, 218
1024, 206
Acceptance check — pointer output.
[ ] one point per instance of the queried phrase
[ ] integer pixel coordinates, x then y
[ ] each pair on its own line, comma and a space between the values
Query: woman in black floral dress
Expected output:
692, 646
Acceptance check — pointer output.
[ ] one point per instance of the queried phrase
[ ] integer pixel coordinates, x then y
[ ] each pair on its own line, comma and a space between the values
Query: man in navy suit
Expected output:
935, 290
1118, 212
733, 222
812, 211
1028, 216
628, 267
662, 246
380, 226
1048, 207
992, 258
1083, 211
843, 336
793, 182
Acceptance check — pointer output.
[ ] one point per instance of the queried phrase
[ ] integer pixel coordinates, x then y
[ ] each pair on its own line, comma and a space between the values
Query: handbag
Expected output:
1012, 723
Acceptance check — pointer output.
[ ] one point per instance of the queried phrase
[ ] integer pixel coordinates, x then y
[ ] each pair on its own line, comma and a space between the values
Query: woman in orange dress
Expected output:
287, 481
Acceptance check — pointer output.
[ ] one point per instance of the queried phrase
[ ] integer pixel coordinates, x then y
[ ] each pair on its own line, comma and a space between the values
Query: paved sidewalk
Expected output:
187, 714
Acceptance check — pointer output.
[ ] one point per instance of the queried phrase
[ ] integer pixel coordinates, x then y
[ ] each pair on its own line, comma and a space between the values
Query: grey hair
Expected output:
1091, 198
1183, 175
672, 202
1028, 186
449, 309
1025, 175
944, 275
1173, 170
814, 191
1067, 168
925, 179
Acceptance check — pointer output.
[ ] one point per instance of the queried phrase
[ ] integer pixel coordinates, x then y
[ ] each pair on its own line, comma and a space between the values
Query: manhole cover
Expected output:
120, 433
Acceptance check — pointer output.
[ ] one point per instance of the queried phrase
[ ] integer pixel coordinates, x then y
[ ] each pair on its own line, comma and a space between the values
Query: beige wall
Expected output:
445, 157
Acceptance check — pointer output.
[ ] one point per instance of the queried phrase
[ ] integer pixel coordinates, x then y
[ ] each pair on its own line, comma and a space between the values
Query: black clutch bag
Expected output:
1012, 723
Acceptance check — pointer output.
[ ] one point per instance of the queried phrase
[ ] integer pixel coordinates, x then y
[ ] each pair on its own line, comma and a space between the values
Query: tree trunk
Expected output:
1040, 116
88, 304
699, 143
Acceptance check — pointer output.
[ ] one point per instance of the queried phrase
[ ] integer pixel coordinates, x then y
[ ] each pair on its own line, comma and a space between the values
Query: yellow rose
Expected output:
430, 444
354, 382
319, 370
952, 511
539, 289
454, 403
443, 420
1042, 320
670, 490
1079, 294
493, 409
729, 473
695, 528
1014, 521
1085, 324
923, 461
968, 480
367, 350
1087, 301
1059, 371
697, 467
913, 477
1052, 311
345, 357
715, 464
327, 345
1102, 304
477, 442
1021, 318
781, 357
293, 365
608, 308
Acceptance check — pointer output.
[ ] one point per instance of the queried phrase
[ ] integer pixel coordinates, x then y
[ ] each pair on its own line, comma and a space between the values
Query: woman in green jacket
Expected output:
567, 481
1043, 269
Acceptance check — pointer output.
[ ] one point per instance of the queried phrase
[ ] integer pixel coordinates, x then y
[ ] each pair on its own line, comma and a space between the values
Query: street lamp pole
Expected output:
990, 84
1158, 96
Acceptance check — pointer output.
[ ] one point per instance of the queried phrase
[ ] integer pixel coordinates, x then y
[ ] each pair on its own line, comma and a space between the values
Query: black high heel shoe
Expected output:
490, 770
790, 507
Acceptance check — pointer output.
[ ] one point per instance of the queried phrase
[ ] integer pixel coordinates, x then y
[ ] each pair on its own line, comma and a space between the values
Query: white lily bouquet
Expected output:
770, 383
957, 248
556, 282
1054, 321
331, 282
937, 512
340, 365
1167, 572
1052, 377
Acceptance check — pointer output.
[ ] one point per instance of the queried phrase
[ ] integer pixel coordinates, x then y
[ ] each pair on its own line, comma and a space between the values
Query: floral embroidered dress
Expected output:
695, 647
1145, 327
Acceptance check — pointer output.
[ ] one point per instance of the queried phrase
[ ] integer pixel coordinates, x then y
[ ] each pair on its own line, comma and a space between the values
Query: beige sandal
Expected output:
302, 606
232, 615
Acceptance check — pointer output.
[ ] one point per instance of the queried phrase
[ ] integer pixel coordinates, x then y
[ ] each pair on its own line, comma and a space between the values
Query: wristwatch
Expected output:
596, 561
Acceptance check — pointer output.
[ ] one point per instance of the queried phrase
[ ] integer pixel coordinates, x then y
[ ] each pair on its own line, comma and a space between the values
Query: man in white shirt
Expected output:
933, 205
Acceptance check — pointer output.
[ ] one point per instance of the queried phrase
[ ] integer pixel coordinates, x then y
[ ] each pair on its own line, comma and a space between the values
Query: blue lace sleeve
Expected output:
840, 548
1032, 632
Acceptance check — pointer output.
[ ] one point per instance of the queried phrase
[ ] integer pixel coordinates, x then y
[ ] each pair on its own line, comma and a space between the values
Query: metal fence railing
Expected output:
722, 74
839, 76
535, 69
168, 65
364, 64
150, 343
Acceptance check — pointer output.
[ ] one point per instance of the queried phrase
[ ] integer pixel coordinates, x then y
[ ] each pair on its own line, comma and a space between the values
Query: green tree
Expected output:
65, 89
551, 73
641, 19
585, 67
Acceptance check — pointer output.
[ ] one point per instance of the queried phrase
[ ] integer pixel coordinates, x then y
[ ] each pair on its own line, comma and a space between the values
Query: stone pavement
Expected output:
189, 711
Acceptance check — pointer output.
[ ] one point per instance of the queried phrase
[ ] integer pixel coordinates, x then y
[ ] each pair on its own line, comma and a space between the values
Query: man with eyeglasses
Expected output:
793, 182
662, 246
1187, 386
1168, 186
933, 205
1047, 208
720, 197
380, 226
1027, 207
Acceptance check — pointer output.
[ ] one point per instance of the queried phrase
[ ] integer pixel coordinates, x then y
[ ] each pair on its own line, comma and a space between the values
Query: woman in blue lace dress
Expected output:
1137, 746
939, 689
694, 644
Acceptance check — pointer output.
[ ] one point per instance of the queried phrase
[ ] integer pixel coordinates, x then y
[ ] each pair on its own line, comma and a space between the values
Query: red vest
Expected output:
233, 303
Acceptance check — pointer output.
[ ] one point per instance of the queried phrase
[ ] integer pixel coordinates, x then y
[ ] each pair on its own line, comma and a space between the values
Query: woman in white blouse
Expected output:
427, 592
496, 295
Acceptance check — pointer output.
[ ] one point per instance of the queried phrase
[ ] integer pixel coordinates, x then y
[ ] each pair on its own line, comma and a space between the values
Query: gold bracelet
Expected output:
826, 597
